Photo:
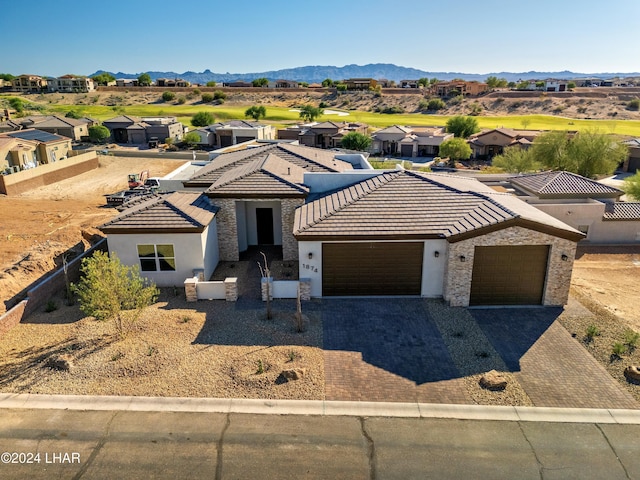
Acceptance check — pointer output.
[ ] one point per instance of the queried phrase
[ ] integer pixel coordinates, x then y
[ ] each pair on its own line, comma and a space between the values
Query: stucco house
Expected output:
25, 149
354, 231
232, 132
321, 134
489, 143
170, 237
75, 129
589, 206
138, 131
409, 141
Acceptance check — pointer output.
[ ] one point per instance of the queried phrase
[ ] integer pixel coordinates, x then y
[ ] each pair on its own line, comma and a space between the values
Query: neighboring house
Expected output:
70, 84
232, 132
459, 87
283, 84
323, 134
29, 84
408, 233
632, 163
170, 237
360, 83
138, 131
25, 149
409, 141
172, 82
409, 84
587, 205
488, 144
75, 129
126, 82
238, 84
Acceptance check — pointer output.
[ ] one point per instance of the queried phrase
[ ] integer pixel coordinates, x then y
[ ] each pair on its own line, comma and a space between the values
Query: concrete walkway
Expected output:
318, 407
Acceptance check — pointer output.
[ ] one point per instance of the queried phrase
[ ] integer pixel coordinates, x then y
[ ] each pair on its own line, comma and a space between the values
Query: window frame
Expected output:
157, 258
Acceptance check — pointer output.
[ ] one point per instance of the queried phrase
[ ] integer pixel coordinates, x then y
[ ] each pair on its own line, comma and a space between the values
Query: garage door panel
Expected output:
371, 268
509, 275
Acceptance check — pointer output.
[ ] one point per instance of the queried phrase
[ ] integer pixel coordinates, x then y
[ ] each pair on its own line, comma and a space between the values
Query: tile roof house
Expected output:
138, 131
75, 129
488, 144
587, 205
409, 141
170, 236
632, 163
359, 231
233, 132
322, 134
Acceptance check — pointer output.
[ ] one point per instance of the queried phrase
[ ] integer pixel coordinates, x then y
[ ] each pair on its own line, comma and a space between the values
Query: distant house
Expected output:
138, 131
360, 83
172, 82
71, 84
75, 129
126, 82
25, 149
238, 84
588, 206
488, 144
232, 132
632, 163
29, 84
409, 84
321, 135
409, 141
459, 87
283, 84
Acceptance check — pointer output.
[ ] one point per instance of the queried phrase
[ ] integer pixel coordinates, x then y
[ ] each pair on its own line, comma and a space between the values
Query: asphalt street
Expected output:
97, 444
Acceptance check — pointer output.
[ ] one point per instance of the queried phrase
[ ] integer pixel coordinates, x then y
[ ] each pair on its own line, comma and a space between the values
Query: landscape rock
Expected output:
493, 380
632, 372
294, 373
61, 362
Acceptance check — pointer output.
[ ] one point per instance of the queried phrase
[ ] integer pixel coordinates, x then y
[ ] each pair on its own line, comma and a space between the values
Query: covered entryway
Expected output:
264, 226
372, 268
509, 275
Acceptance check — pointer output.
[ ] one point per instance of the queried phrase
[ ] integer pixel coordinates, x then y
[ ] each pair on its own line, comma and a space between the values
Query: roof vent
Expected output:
288, 170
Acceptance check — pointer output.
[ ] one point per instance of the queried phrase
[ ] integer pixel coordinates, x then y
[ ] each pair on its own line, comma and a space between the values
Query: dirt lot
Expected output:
611, 280
40, 224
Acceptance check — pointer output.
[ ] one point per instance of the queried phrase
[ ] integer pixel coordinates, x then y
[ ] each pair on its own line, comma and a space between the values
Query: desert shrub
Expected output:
634, 104
219, 95
207, 97
392, 110
168, 96
51, 306
181, 100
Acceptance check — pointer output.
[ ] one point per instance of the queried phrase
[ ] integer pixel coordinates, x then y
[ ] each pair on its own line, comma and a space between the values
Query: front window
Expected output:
154, 258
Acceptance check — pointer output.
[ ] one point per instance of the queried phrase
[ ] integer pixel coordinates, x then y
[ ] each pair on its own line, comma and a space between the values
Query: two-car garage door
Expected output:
372, 268
509, 275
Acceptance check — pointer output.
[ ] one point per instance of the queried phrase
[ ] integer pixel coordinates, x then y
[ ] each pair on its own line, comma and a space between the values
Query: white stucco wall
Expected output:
432, 267
209, 240
241, 219
187, 249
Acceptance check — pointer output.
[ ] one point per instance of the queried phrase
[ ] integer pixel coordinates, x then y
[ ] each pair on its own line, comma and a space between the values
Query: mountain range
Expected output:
317, 73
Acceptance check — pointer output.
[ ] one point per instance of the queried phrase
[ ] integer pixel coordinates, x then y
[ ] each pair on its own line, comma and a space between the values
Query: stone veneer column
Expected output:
231, 289
305, 289
289, 243
191, 289
457, 288
227, 229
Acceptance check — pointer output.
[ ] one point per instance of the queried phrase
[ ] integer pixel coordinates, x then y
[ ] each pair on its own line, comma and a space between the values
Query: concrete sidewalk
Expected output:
320, 408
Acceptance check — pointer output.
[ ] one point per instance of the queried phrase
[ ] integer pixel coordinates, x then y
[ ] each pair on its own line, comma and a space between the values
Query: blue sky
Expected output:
240, 36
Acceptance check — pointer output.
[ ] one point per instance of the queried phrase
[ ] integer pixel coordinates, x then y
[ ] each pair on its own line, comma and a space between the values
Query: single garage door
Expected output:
371, 268
406, 150
509, 275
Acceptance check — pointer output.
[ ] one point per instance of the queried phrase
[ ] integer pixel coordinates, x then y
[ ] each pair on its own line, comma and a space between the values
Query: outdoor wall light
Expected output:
564, 257
310, 255
463, 258
436, 254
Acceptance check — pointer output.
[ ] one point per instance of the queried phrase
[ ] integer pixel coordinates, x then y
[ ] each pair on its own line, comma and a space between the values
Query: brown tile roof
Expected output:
622, 211
308, 158
563, 184
411, 204
265, 176
173, 212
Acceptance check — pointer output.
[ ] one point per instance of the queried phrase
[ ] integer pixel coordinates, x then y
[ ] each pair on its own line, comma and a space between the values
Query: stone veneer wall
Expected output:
227, 229
289, 242
457, 287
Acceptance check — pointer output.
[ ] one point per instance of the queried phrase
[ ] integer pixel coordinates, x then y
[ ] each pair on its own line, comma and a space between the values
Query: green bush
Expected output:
592, 331
219, 95
168, 96
51, 306
436, 104
207, 98
634, 104
181, 100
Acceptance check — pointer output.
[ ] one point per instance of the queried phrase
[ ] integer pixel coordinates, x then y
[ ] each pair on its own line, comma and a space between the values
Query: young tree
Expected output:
7, 77
571, 85
356, 141
256, 112
455, 149
632, 186
516, 160
104, 78
109, 290
99, 133
424, 82
144, 80
327, 83
202, 119
191, 139
211, 84
462, 126
260, 82
309, 113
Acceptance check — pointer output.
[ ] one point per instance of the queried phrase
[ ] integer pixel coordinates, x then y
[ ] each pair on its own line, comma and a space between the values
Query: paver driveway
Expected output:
392, 349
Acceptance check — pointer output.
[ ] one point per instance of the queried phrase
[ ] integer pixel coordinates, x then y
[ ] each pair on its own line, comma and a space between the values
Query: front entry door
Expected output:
264, 225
